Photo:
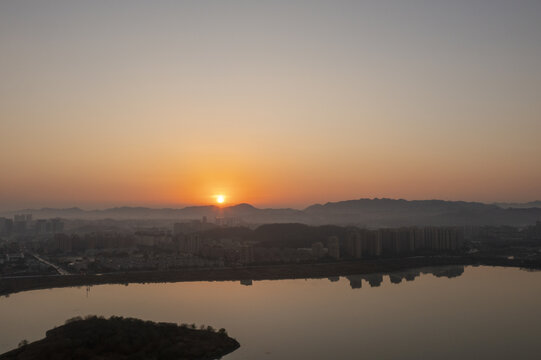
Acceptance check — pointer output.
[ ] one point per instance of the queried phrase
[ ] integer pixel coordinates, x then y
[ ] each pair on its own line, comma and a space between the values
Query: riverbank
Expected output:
268, 272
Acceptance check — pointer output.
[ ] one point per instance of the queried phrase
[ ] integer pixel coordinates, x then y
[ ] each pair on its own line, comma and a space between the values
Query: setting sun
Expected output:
220, 199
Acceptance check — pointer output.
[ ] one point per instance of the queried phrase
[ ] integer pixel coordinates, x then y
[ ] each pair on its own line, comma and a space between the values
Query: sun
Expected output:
220, 199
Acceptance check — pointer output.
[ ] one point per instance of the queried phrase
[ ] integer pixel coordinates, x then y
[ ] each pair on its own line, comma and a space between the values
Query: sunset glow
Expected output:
201, 101
220, 199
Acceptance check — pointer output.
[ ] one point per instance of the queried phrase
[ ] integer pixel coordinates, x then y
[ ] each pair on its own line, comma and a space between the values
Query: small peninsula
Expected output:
126, 338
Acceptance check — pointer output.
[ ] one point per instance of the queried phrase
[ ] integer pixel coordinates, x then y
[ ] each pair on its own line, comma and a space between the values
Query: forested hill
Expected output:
126, 338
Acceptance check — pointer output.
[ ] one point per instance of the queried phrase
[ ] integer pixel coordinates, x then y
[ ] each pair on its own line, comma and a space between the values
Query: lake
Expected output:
431, 313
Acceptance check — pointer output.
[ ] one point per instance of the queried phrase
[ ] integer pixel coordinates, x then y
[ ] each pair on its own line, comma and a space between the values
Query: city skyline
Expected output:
276, 104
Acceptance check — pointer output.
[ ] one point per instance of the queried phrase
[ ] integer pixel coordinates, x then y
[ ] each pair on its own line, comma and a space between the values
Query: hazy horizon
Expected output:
276, 104
226, 205
105, 206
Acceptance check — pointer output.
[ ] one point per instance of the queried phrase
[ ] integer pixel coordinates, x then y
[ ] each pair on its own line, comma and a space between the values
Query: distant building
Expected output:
190, 244
439, 238
22, 217
42, 227
6, 226
246, 255
371, 244
353, 244
152, 237
318, 250
21, 223
51, 226
63, 242
19, 227
397, 241
57, 225
334, 247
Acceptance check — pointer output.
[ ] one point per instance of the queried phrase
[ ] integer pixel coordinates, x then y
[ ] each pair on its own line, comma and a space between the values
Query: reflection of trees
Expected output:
396, 277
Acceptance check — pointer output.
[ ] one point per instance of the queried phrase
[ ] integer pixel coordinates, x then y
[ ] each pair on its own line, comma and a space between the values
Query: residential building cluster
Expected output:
360, 243
23, 224
114, 246
230, 251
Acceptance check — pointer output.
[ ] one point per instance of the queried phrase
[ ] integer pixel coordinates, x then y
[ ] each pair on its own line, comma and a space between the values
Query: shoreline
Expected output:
263, 272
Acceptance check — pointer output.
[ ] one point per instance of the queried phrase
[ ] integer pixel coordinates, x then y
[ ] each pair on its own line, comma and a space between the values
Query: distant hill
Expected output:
361, 212
526, 205
390, 212
246, 212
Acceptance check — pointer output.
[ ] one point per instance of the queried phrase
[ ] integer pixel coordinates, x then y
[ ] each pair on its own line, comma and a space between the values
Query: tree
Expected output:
23, 343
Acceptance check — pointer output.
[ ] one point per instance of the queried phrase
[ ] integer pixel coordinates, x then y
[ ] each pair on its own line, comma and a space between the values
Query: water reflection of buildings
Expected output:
246, 282
395, 277
355, 281
375, 280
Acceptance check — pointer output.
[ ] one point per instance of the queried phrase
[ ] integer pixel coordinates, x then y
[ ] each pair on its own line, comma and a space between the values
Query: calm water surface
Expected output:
437, 313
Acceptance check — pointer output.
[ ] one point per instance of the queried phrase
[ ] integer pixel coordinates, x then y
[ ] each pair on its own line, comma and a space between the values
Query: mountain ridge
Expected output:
364, 211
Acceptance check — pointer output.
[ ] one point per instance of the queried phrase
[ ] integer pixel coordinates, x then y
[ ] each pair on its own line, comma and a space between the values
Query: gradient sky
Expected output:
276, 103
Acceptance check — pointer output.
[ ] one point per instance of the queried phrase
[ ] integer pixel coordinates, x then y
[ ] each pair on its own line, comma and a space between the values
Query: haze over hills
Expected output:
390, 212
361, 212
526, 205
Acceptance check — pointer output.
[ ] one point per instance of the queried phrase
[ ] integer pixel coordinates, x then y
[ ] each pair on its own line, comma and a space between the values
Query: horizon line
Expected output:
263, 207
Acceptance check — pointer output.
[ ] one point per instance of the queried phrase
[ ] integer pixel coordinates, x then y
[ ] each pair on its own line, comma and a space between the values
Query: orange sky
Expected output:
137, 104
